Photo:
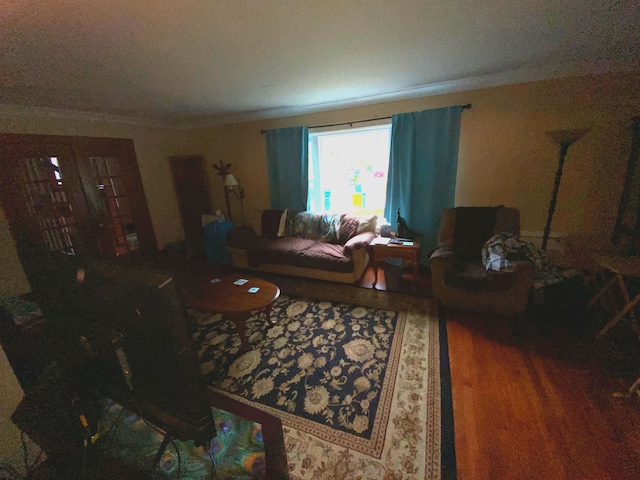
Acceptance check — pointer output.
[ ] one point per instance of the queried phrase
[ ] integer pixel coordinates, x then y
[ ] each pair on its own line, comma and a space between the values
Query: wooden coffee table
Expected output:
234, 301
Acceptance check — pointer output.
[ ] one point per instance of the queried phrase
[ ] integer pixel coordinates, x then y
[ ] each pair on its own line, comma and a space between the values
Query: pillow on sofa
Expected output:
330, 227
290, 223
309, 225
367, 224
282, 223
322, 227
348, 228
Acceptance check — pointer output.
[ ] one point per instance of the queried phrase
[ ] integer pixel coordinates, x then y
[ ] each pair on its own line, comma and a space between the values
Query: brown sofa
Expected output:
340, 257
460, 279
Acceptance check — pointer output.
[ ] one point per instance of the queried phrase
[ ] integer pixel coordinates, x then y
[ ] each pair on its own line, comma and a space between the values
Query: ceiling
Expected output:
194, 62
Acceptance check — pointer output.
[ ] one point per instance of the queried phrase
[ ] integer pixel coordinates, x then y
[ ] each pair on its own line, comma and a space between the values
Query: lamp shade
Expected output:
567, 137
230, 180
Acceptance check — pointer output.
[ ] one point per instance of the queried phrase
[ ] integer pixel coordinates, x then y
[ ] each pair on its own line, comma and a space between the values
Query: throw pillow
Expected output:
367, 224
283, 222
330, 227
348, 228
290, 223
308, 225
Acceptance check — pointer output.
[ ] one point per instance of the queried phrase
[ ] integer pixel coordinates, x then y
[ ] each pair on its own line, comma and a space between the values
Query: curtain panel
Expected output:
422, 170
288, 167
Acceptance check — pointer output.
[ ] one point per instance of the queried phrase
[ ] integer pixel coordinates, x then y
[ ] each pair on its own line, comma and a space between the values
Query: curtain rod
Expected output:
464, 107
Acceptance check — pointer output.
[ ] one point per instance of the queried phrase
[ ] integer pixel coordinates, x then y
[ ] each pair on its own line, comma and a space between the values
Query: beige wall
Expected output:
13, 281
10, 396
505, 155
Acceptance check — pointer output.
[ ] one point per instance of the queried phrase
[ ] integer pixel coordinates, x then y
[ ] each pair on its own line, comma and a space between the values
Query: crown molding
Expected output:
524, 74
24, 111
514, 76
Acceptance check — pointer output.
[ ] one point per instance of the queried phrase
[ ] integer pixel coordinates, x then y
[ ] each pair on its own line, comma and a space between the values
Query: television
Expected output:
124, 332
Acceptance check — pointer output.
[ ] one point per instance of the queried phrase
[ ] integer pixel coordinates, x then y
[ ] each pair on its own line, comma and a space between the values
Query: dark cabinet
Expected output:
626, 231
192, 191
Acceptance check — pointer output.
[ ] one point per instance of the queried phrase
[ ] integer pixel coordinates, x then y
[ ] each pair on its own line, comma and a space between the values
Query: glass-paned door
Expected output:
76, 195
117, 201
42, 197
121, 236
45, 197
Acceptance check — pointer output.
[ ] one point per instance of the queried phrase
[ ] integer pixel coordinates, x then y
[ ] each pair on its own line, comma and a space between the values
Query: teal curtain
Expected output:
422, 170
288, 167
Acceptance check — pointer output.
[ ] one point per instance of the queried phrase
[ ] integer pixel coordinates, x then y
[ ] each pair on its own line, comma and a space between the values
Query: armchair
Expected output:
459, 278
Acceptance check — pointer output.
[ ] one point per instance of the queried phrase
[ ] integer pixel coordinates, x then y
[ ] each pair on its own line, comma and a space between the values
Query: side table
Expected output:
381, 248
622, 269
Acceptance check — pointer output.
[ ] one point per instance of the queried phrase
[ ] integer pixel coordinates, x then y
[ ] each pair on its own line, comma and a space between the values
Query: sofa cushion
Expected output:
283, 223
474, 276
322, 227
271, 223
473, 227
367, 224
290, 223
242, 236
330, 227
301, 252
362, 240
307, 225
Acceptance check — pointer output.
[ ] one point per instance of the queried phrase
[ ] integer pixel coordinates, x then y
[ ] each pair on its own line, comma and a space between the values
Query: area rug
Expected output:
358, 388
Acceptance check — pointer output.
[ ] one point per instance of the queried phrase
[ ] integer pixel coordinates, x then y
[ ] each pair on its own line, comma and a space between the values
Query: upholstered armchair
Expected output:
460, 279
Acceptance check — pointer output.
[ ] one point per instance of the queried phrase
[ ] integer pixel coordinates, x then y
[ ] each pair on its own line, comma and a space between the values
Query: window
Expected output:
348, 170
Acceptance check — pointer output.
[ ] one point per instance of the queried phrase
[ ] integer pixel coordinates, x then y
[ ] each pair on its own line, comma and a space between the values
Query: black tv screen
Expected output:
124, 332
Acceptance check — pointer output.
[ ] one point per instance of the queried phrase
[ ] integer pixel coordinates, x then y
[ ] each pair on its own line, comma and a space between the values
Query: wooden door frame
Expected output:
81, 147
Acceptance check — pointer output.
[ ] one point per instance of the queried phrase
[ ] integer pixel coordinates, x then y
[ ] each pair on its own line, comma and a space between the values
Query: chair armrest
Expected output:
443, 255
241, 237
356, 242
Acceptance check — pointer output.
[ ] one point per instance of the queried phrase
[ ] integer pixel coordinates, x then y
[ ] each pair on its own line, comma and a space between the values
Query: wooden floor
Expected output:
539, 406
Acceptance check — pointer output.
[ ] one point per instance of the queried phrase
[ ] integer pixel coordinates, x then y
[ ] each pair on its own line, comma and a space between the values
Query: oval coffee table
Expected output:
235, 302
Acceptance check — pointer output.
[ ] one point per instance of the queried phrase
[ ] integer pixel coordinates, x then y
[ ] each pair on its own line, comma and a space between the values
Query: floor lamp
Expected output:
565, 138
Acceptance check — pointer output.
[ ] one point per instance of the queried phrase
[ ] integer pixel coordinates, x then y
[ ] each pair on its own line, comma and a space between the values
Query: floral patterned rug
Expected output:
328, 362
357, 387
